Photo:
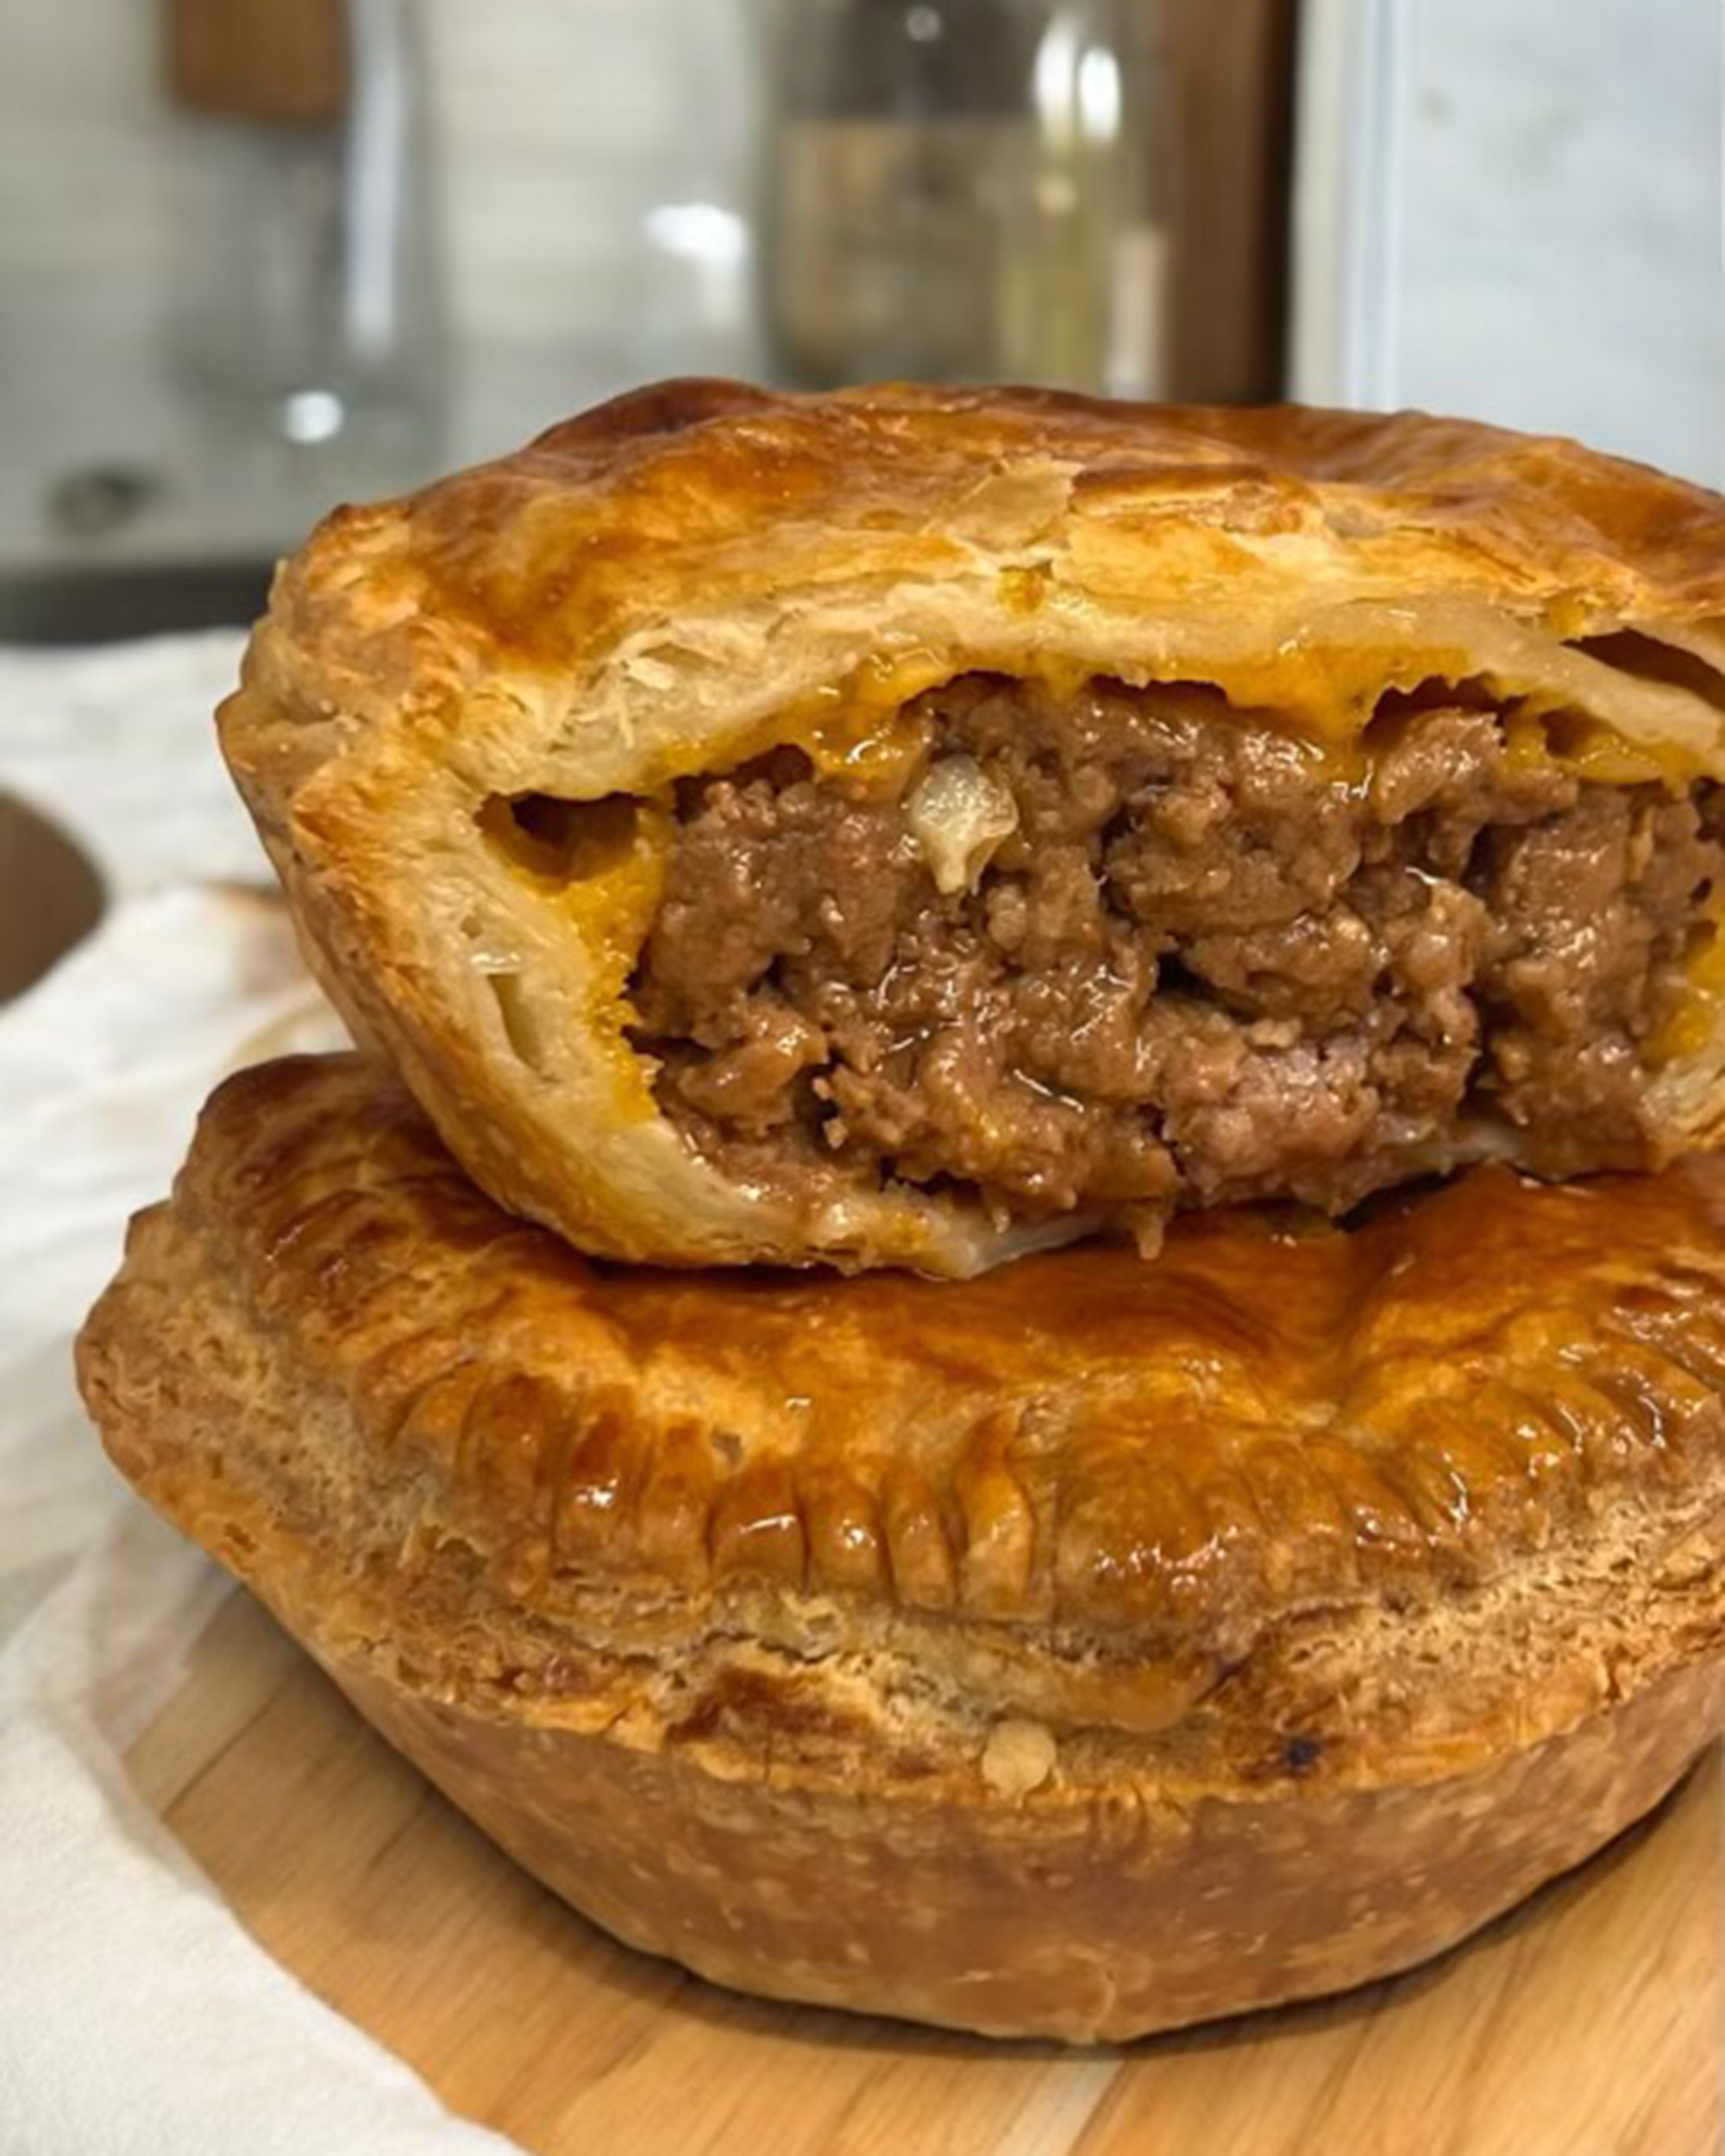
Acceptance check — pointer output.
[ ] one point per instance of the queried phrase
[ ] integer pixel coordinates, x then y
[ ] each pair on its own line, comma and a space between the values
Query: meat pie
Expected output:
1079, 1650
912, 827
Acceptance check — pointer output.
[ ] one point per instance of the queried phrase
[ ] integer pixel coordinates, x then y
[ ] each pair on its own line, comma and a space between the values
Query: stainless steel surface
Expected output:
93, 500
102, 605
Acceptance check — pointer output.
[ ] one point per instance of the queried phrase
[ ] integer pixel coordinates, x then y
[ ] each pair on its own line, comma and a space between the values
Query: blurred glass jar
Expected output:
307, 303
964, 189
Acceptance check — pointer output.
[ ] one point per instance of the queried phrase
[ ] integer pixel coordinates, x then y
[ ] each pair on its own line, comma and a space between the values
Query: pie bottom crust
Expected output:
1093, 1921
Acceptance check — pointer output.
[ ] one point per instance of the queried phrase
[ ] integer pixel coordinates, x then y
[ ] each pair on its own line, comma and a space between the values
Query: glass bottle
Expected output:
308, 306
963, 190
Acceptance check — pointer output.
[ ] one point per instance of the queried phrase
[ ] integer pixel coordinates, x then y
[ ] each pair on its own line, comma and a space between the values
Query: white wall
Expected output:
1512, 208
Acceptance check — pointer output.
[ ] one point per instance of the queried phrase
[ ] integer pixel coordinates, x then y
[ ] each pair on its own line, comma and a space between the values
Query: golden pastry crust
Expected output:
1082, 1650
692, 574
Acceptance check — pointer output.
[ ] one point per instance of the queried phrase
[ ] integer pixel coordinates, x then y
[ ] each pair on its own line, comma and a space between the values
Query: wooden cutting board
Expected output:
1589, 2023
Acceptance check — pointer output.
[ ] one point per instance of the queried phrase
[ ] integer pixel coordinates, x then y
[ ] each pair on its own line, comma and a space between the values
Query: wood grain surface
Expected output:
1589, 2023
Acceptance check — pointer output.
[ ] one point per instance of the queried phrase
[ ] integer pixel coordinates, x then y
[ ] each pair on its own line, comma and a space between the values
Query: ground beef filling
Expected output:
1184, 961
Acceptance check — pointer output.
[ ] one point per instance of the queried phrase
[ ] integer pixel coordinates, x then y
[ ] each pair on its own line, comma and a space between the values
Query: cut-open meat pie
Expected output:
910, 827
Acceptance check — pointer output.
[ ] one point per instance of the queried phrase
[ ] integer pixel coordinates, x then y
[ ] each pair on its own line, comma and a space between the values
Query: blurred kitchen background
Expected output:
257, 256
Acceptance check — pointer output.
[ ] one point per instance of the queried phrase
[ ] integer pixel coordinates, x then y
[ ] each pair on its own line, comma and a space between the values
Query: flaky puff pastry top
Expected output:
692, 574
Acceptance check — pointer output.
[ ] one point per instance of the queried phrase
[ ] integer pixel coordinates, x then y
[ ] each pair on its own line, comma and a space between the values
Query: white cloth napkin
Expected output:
136, 2012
